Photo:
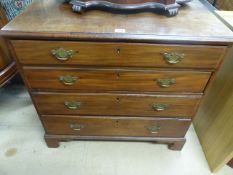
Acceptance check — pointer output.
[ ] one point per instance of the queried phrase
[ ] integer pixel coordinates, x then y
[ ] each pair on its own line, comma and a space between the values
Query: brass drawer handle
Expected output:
153, 129
166, 82
77, 126
62, 54
72, 105
173, 57
68, 80
160, 107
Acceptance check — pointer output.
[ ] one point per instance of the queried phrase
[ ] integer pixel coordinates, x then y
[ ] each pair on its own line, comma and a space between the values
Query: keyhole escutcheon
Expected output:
118, 51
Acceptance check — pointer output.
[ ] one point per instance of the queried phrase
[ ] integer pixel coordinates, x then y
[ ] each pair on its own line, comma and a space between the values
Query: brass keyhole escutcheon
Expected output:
118, 75
118, 99
117, 123
118, 51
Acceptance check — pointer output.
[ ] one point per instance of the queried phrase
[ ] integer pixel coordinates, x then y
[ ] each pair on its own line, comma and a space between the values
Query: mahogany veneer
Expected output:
116, 126
117, 104
135, 77
140, 55
7, 64
116, 80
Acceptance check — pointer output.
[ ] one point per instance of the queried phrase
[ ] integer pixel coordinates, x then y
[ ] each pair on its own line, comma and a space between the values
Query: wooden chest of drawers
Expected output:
89, 82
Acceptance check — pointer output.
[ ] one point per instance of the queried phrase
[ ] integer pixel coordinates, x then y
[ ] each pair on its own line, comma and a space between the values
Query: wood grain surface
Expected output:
117, 104
118, 54
122, 68
55, 20
7, 73
214, 122
7, 64
116, 126
97, 80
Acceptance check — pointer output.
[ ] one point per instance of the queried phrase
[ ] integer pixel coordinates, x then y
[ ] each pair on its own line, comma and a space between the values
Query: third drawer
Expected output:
101, 104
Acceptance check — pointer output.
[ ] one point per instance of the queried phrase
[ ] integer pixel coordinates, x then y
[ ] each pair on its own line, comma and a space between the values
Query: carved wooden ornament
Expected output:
171, 7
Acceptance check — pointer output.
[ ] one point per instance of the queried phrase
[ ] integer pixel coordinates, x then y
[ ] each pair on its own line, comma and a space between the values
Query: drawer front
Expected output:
115, 126
117, 54
116, 104
117, 80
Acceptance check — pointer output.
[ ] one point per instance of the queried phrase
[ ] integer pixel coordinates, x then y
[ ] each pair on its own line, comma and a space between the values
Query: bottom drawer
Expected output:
115, 126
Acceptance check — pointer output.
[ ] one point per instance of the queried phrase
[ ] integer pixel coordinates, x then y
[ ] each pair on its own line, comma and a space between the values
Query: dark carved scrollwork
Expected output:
80, 6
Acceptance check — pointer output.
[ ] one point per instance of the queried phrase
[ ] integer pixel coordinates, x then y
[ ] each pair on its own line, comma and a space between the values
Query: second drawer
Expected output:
116, 104
117, 80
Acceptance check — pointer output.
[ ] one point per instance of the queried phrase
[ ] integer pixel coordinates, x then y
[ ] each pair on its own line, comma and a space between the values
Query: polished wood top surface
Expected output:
53, 19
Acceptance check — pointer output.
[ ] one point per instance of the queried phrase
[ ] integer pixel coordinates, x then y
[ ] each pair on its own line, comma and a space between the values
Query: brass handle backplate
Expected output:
68, 80
173, 57
160, 107
166, 82
77, 126
153, 129
62, 54
72, 105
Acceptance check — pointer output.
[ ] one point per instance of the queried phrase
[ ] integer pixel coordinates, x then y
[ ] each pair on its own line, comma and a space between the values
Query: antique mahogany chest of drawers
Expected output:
104, 76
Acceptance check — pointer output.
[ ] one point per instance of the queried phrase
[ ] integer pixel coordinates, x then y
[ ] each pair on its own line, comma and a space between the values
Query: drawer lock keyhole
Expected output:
117, 124
118, 51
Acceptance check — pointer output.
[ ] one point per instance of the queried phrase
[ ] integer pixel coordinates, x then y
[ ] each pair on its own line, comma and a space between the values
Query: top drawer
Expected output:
117, 54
